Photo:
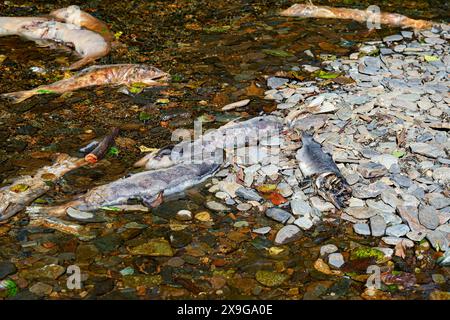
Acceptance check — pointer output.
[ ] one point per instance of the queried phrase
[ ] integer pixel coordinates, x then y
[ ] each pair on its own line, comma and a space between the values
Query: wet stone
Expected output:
304, 223
336, 260
217, 206
184, 215
7, 268
154, 248
263, 230
278, 214
248, 194
393, 38
180, 239
41, 289
327, 249
300, 207
108, 243
288, 234
86, 252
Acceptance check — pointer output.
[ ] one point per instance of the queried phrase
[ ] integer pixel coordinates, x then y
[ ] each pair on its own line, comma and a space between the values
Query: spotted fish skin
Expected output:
319, 165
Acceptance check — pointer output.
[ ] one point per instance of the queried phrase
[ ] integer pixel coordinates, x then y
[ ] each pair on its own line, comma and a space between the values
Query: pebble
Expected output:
416, 235
372, 170
248, 194
386, 160
278, 214
275, 82
336, 260
398, 230
362, 229
263, 230
427, 150
428, 217
217, 206
361, 212
327, 249
184, 215
377, 226
244, 206
321, 205
288, 234
79, 215
300, 207
437, 240
41, 289
393, 38
395, 240
304, 223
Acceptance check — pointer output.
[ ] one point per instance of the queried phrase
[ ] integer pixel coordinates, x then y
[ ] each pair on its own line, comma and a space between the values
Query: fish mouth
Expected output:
333, 188
162, 79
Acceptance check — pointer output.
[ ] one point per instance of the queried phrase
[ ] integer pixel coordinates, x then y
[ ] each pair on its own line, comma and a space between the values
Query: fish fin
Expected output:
19, 96
80, 63
156, 201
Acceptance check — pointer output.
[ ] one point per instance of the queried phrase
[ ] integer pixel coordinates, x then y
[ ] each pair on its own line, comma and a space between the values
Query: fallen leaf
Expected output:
266, 188
276, 198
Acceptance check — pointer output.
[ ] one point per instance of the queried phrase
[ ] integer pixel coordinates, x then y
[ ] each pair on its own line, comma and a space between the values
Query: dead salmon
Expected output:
215, 142
149, 187
318, 165
89, 45
311, 11
112, 75
74, 15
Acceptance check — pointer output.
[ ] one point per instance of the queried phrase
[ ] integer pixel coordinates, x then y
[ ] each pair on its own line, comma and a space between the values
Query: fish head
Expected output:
71, 14
150, 76
333, 188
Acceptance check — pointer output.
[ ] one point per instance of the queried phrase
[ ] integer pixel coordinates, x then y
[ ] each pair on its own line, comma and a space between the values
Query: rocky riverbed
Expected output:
259, 231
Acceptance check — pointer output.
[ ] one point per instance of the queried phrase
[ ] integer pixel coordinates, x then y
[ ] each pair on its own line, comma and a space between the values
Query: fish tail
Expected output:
19, 96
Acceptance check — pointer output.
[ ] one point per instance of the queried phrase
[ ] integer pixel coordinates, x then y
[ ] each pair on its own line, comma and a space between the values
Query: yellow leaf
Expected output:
147, 149
19, 188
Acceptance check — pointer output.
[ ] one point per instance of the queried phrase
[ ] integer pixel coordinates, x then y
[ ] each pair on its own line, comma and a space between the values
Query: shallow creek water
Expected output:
217, 52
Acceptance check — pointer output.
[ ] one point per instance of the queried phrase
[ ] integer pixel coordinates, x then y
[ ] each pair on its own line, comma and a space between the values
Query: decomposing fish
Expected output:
88, 44
74, 15
318, 165
313, 11
212, 144
148, 186
24, 190
113, 75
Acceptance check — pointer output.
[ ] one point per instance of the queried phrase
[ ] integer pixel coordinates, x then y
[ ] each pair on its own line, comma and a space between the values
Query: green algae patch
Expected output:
154, 248
366, 253
270, 278
133, 281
